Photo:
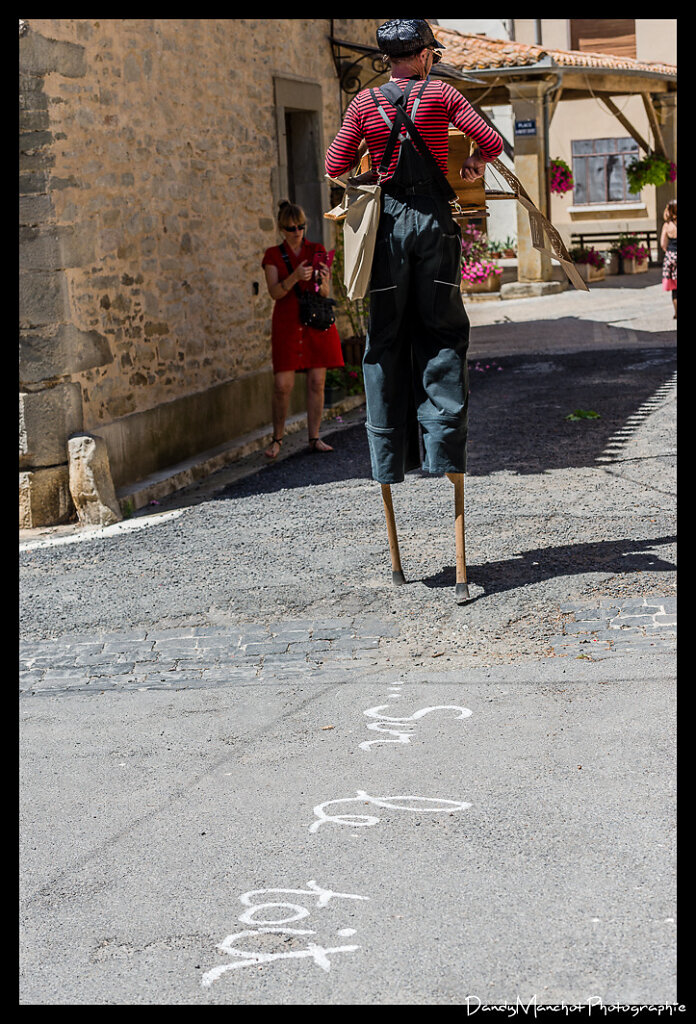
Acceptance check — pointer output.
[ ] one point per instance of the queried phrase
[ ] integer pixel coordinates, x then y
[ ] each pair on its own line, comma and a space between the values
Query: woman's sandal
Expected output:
275, 440
314, 441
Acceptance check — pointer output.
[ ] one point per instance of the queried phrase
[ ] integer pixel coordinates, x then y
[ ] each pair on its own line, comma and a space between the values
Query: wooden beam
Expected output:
609, 103
554, 102
654, 124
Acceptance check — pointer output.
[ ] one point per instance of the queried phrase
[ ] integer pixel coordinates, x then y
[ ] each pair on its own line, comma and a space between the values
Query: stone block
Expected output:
44, 355
530, 289
44, 497
91, 486
39, 55
46, 419
43, 297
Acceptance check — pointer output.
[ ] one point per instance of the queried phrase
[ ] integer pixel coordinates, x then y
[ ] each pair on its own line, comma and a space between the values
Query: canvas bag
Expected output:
359, 210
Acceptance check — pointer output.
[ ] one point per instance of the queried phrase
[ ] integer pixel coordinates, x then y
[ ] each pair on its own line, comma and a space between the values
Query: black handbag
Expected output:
315, 310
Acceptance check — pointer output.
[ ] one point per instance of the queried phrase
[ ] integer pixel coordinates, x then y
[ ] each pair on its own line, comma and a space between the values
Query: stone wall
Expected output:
151, 166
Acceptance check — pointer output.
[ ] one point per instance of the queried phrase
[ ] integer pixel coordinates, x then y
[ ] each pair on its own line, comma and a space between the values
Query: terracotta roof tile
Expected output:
479, 52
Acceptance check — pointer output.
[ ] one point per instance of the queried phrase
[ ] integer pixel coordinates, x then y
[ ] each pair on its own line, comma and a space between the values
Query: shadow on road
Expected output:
540, 564
518, 414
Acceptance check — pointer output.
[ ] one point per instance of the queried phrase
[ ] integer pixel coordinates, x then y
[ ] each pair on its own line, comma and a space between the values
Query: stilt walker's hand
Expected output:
473, 167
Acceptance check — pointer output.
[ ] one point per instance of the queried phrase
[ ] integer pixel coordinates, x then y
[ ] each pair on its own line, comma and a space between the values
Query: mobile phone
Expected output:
323, 259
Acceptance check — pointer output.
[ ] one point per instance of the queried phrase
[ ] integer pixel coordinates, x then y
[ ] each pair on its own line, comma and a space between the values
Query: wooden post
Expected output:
462, 587
397, 571
610, 105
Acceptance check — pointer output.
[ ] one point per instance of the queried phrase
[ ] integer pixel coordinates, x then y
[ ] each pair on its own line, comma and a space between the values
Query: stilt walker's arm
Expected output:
397, 571
462, 587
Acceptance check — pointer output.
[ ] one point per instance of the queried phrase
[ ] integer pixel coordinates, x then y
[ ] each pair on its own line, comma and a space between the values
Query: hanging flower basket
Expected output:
653, 169
560, 177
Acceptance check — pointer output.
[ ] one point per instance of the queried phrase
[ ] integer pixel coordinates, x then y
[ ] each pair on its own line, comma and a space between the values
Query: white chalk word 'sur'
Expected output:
393, 726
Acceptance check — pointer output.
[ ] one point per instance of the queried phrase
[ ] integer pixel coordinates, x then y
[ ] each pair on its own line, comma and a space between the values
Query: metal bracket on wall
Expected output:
349, 68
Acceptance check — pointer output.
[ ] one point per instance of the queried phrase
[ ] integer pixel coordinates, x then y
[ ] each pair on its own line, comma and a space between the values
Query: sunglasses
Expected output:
296, 227
437, 56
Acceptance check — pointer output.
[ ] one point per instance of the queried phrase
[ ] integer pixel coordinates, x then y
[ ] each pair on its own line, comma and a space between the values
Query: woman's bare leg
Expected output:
282, 389
315, 407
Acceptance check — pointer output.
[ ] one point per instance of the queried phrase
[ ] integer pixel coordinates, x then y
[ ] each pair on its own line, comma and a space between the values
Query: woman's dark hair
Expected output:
289, 213
671, 210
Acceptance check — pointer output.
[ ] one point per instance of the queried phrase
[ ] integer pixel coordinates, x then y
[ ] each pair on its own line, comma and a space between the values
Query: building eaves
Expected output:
480, 53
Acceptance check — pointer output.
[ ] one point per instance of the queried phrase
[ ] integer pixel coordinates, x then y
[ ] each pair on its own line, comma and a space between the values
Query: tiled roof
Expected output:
479, 52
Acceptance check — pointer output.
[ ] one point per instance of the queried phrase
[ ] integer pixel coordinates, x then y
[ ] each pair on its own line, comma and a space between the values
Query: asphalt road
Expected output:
254, 772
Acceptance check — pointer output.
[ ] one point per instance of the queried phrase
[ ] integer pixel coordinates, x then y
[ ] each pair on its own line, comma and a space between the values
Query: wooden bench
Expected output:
647, 236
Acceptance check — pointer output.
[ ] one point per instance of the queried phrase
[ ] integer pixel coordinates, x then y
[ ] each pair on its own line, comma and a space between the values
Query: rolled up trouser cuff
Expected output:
444, 441
387, 453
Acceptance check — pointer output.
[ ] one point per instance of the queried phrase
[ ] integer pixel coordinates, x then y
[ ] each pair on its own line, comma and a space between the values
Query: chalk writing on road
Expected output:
389, 723
393, 803
273, 918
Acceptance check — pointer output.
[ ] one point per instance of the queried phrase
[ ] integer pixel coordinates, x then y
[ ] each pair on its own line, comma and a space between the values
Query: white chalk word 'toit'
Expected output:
278, 915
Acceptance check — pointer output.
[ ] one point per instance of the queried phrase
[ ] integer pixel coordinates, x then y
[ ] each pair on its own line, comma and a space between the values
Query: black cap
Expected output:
402, 36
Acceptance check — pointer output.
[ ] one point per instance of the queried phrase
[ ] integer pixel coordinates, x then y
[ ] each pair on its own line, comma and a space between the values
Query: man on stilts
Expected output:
418, 333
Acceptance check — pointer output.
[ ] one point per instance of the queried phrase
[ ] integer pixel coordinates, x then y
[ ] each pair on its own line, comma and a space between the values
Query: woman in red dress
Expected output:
296, 348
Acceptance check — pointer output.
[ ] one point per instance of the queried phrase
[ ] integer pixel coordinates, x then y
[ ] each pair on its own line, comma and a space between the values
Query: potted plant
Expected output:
334, 390
481, 276
509, 248
495, 249
479, 273
653, 169
632, 254
341, 382
589, 263
560, 177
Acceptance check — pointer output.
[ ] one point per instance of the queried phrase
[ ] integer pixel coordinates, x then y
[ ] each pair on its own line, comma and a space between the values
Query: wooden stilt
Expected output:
397, 571
462, 587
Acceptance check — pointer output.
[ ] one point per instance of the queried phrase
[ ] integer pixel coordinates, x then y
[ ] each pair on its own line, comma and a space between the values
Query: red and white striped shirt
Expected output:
439, 106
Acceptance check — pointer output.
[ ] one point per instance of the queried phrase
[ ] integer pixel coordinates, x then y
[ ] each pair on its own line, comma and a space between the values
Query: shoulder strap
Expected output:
393, 134
402, 117
286, 258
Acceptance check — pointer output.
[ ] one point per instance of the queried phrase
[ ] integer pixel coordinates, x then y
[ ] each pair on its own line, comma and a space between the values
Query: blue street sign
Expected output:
525, 127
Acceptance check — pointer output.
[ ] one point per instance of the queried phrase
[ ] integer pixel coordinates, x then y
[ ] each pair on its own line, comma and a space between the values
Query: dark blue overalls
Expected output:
415, 367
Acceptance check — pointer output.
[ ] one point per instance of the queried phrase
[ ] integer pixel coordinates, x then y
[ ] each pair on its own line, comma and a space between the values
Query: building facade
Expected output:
153, 154
584, 132
588, 136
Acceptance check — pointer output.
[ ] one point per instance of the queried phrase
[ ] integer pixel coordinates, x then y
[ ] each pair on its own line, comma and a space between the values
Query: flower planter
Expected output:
334, 395
634, 266
488, 284
509, 254
589, 273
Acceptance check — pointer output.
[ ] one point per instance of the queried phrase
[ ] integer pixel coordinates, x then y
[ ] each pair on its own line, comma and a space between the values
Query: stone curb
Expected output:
195, 656
638, 625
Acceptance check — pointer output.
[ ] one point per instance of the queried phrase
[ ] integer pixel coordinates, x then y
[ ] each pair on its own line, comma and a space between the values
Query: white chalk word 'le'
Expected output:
272, 918
392, 803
